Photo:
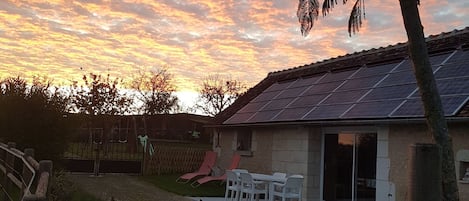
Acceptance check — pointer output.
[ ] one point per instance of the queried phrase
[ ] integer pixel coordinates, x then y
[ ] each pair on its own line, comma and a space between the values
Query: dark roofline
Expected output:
435, 43
342, 122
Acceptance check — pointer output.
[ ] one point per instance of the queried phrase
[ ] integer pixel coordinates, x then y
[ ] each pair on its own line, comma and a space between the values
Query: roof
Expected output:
373, 84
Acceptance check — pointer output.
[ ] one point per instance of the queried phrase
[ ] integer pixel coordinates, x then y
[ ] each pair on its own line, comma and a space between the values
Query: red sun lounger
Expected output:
234, 164
204, 170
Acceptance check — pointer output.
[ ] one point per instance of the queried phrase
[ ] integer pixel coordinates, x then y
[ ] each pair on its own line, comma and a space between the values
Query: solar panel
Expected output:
375, 109
292, 92
414, 108
279, 86
459, 57
266, 96
323, 88
360, 83
344, 97
327, 112
291, 114
381, 91
307, 101
453, 86
390, 92
277, 104
306, 81
453, 70
375, 70
405, 66
410, 108
438, 59
452, 104
336, 76
239, 118
402, 77
263, 116
252, 107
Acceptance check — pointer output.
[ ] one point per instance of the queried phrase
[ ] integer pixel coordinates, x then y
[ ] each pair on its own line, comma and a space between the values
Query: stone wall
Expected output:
401, 136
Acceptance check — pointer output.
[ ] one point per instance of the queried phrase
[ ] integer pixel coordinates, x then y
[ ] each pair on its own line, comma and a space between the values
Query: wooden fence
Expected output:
22, 178
168, 159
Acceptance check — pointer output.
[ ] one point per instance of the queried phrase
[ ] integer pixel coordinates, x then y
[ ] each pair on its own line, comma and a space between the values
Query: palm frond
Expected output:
327, 6
355, 19
308, 11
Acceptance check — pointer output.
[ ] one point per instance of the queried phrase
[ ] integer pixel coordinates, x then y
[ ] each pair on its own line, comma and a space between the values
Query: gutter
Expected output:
340, 122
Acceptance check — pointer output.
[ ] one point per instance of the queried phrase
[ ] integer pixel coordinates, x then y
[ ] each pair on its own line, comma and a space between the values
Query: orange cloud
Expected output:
244, 39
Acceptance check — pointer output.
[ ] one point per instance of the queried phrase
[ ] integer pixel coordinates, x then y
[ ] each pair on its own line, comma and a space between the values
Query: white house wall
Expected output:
297, 150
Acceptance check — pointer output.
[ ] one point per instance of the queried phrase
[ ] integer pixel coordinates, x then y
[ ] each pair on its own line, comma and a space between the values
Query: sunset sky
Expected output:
243, 39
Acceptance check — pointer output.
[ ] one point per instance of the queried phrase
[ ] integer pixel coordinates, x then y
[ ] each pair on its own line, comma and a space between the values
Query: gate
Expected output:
93, 152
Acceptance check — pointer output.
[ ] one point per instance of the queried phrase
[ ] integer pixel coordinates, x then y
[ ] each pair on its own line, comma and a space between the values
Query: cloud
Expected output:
244, 39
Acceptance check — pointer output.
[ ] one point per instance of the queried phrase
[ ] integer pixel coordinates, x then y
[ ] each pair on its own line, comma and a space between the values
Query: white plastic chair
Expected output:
291, 189
233, 186
279, 174
238, 171
252, 188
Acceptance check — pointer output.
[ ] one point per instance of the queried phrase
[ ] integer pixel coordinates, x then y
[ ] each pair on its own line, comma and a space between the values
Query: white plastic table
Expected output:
268, 179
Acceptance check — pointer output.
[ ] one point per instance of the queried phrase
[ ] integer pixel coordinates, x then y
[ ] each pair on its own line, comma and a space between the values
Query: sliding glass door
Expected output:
349, 167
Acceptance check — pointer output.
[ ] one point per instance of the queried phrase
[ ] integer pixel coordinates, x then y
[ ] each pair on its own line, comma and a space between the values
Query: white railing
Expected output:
22, 178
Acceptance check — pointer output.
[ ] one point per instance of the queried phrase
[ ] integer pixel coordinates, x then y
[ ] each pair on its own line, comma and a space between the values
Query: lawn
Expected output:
168, 183
80, 195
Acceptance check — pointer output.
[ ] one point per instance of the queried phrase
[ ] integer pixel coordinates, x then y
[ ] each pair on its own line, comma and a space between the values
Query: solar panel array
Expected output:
381, 91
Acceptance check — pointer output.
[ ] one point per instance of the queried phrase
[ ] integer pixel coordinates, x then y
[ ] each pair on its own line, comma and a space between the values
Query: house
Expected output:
346, 123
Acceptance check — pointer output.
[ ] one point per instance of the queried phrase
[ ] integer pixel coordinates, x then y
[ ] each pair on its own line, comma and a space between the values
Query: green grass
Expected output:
80, 195
168, 183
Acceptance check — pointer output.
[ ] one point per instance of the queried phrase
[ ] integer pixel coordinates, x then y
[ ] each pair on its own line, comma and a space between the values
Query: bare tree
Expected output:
156, 91
218, 93
308, 11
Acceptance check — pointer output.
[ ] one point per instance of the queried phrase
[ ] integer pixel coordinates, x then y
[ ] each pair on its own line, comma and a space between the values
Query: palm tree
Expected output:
308, 11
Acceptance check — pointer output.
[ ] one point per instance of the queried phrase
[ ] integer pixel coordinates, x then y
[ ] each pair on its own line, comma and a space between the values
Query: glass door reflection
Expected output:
350, 167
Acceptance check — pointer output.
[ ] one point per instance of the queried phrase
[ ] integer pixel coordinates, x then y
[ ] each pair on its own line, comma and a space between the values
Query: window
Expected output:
244, 138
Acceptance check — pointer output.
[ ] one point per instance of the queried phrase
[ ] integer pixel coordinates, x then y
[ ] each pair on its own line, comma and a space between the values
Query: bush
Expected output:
63, 189
34, 117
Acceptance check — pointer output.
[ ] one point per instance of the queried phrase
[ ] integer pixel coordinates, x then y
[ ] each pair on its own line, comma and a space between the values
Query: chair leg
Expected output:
236, 197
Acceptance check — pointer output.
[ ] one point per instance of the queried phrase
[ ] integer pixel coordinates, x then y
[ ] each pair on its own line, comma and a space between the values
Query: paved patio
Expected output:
210, 198
207, 198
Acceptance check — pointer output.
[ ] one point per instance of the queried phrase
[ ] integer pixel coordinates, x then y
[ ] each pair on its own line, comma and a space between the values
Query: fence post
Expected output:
424, 173
27, 176
9, 166
144, 157
44, 179
97, 160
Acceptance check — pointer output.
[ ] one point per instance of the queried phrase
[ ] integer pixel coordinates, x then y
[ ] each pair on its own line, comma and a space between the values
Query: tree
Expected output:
100, 96
156, 91
308, 11
100, 99
35, 116
218, 93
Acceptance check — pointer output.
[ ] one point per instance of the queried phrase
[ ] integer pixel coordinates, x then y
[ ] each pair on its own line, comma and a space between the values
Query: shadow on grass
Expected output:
168, 183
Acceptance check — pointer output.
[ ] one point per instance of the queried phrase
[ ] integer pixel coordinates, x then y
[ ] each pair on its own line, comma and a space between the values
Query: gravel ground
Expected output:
122, 188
